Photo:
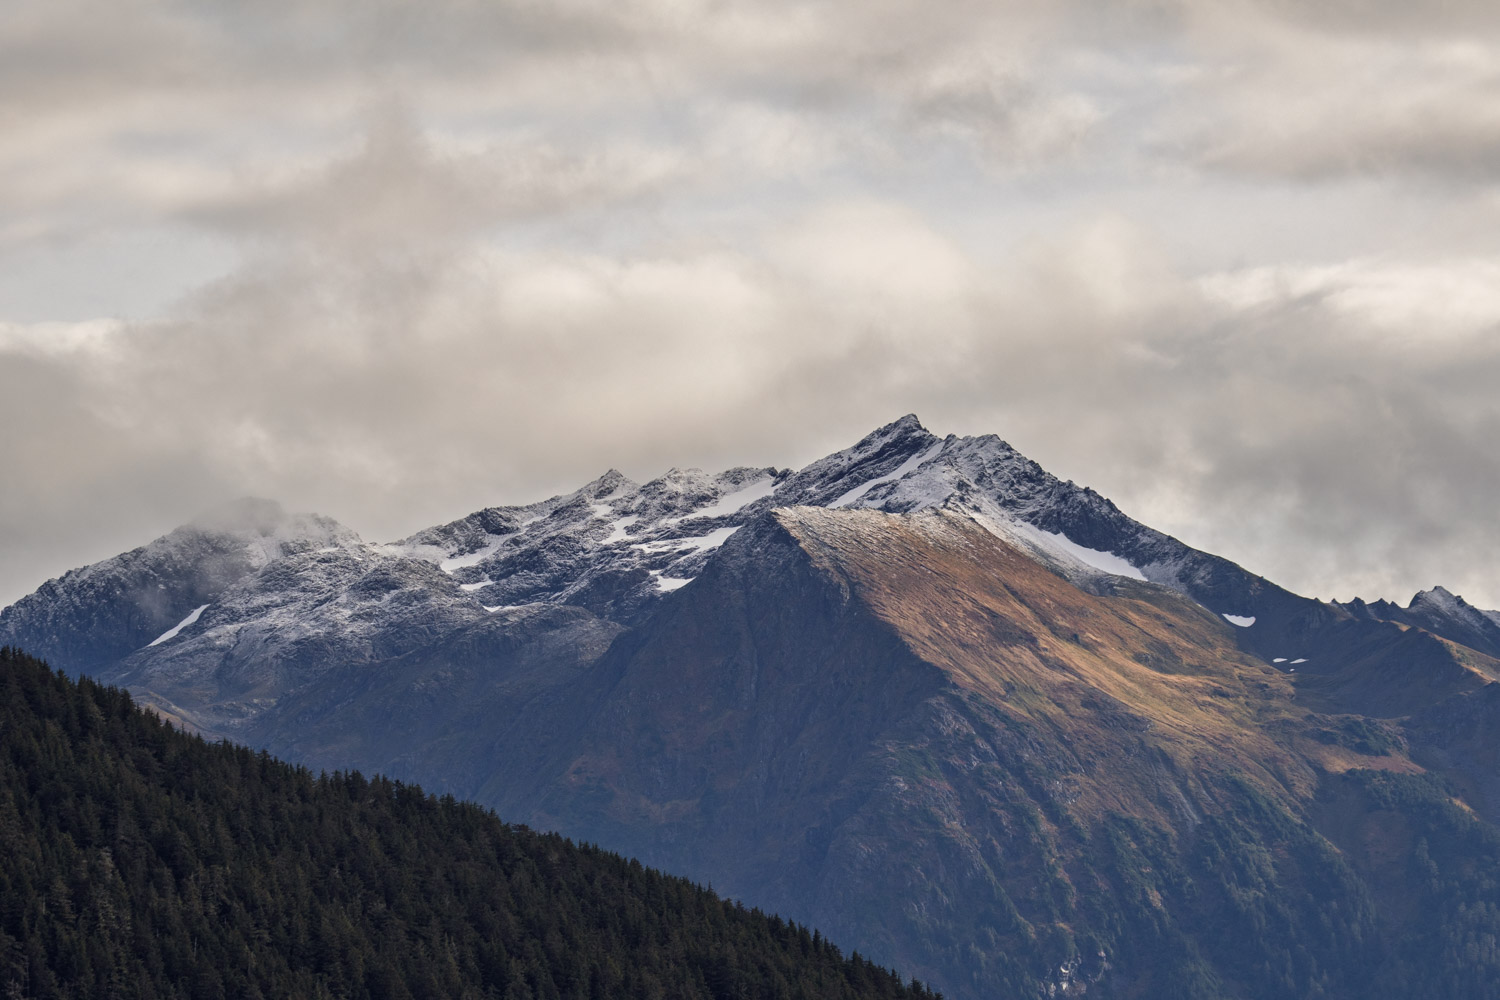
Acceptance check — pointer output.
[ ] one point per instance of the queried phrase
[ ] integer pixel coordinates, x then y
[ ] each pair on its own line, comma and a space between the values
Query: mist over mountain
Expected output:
967, 717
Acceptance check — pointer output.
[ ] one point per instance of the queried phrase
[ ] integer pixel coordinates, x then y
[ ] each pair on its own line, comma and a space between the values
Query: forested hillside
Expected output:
138, 861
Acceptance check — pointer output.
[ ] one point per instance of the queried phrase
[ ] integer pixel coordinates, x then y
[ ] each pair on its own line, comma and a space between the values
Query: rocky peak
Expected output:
1439, 599
1441, 612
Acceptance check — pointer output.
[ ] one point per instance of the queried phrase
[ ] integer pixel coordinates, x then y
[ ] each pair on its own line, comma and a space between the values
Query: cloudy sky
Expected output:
1234, 264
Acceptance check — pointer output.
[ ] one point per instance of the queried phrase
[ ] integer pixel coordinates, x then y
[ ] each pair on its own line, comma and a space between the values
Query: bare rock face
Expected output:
961, 715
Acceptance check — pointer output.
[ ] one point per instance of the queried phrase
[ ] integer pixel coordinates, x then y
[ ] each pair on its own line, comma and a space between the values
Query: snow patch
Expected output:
1279, 659
471, 587
617, 492
695, 543
731, 503
1030, 537
617, 529
473, 558
1097, 558
1241, 620
1300, 659
670, 583
889, 477
171, 633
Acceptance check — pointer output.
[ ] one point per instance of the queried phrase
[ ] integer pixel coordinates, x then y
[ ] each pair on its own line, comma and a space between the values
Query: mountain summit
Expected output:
275, 599
972, 719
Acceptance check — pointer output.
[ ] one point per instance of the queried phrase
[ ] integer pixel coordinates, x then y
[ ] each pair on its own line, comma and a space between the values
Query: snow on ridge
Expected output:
618, 529
731, 503
697, 543
1243, 621
473, 558
623, 487
667, 584
1097, 558
1440, 600
907, 466
171, 633
1439, 597
1056, 544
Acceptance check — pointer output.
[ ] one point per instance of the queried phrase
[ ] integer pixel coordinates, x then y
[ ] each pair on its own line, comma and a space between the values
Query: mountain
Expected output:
970, 718
97, 615
218, 620
904, 727
1441, 613
141, 862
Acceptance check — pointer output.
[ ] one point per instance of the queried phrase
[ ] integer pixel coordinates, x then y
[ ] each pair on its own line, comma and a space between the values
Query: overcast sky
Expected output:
1236, 265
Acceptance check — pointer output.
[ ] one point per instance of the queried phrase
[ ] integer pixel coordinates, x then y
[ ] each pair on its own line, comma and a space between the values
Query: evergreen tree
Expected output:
137, 861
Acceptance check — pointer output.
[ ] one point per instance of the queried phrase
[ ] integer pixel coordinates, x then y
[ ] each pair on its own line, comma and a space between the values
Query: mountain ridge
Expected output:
920, 692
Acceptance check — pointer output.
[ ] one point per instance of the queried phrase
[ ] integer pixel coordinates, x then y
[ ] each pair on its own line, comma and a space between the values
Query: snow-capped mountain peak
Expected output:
272, 595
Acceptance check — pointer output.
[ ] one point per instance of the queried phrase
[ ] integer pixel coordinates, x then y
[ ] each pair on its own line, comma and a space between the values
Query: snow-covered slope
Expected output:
91, 617
612, 546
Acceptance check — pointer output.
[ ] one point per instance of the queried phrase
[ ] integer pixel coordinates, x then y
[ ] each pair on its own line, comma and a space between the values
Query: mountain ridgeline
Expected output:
966, 717
139, 861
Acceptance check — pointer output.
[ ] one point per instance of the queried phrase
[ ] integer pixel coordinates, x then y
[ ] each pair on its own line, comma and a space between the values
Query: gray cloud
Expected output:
1258, 417
1376, 108
485, 251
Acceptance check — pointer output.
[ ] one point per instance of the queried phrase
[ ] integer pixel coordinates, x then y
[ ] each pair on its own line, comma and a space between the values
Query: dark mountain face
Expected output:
909, 731
970, 718
843, 742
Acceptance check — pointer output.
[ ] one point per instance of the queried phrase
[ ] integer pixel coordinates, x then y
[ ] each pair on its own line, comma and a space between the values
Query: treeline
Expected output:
137, 861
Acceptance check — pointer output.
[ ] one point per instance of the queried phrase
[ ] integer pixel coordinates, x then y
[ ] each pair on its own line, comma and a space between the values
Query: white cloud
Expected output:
1286, 98
395, 394
1454, 304
470, 253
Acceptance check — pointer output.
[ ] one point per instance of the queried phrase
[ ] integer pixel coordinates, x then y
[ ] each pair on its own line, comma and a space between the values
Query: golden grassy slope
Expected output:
1116, 677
